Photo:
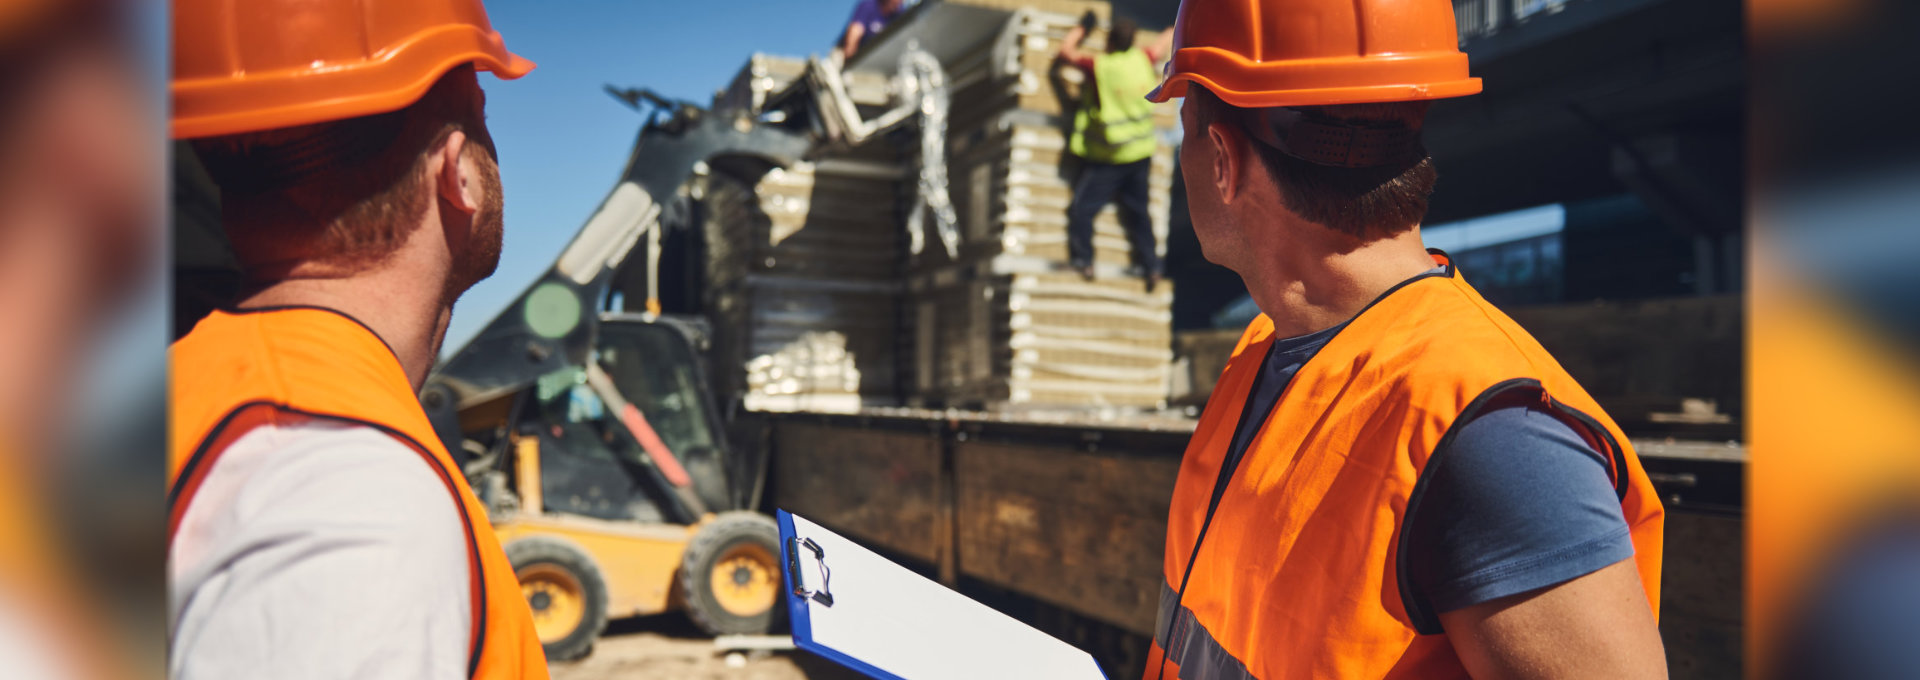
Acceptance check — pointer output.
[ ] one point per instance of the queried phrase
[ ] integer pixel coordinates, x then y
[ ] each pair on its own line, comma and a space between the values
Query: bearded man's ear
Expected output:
456, 175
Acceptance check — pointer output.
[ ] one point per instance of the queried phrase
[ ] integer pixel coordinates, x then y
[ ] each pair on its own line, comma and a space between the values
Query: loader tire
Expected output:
730, 574
566, 592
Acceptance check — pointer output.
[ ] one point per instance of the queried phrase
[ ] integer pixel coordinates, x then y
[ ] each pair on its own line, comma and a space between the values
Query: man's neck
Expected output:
405, 313
1323, 283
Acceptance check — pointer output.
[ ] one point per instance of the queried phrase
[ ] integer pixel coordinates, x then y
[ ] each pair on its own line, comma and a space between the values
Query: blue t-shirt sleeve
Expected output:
1517, 501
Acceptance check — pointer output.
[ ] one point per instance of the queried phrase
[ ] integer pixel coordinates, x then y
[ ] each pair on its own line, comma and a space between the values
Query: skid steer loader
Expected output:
593, 435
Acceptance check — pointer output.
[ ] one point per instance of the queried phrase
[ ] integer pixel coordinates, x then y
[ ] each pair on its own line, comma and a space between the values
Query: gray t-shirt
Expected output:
320, 550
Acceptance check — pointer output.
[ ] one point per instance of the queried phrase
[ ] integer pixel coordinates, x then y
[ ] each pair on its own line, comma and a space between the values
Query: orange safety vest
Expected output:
240, 370
1299, 573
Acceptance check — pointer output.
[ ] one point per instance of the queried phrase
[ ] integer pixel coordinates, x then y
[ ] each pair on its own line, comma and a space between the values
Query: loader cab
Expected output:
614, 493
558, 444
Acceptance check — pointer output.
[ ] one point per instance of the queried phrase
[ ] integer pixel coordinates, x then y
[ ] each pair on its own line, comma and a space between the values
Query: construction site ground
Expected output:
669, 646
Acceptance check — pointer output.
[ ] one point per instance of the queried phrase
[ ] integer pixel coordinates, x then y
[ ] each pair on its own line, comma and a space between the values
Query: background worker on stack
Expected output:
1113, 136
317, 527
870, 17
1392, 479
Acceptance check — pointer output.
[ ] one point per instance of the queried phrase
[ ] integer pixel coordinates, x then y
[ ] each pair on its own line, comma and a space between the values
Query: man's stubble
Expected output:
484, 245
486, 239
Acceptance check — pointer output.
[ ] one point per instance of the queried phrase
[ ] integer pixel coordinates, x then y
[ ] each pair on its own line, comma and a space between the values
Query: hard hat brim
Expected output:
1318, 82
267, 101
1176, 87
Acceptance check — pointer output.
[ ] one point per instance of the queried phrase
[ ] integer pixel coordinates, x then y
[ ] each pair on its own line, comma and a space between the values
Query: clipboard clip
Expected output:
793, 567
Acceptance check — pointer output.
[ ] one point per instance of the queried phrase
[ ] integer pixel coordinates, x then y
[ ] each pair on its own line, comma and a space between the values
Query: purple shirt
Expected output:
869, 16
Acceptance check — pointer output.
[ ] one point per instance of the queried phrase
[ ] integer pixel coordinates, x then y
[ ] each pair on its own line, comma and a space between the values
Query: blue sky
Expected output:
562, 140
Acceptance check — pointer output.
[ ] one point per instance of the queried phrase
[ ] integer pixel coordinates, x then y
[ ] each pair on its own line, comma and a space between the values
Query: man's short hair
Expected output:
1120, 36
346, 192
1367, 203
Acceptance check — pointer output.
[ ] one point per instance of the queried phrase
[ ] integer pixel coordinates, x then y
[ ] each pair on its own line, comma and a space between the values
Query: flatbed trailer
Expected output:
1061, 518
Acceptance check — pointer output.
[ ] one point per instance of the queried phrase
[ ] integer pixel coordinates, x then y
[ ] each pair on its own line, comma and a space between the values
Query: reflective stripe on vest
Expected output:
1300, 571
240, 370
1115, 121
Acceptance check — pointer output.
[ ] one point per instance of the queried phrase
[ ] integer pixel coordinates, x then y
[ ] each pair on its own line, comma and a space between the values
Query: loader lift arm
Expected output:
555, 322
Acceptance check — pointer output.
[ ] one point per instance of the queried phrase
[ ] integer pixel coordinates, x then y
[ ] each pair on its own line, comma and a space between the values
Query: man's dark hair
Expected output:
1120, 37
1367, 203
348, 191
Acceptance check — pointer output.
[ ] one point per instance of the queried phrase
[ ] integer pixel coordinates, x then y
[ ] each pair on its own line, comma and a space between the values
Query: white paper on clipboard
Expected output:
890, 622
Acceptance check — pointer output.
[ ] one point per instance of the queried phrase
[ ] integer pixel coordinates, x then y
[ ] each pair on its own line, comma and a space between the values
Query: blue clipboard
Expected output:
860, 610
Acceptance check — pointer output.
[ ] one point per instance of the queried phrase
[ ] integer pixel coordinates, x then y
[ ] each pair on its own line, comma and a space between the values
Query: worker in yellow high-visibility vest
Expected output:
1113, 135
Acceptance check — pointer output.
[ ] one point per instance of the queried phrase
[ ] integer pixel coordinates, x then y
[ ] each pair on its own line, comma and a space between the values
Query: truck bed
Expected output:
1070, 509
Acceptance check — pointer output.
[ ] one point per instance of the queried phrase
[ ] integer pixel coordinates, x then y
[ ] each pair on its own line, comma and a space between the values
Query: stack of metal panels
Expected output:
765, 75
1005, 324
818, 304
1011, 185
804, 283
1004, 333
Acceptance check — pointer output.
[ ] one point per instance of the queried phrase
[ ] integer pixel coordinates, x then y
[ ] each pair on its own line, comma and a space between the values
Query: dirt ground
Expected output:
669, 647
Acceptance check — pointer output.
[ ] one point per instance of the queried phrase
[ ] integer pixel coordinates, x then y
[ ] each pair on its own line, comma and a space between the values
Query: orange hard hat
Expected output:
265, 64
1273, 53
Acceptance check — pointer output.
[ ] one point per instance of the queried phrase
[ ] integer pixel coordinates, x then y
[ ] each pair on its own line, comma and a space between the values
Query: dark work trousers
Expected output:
1100, 184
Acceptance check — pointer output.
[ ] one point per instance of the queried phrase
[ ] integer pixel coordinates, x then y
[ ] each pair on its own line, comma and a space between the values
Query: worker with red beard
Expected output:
317, 527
